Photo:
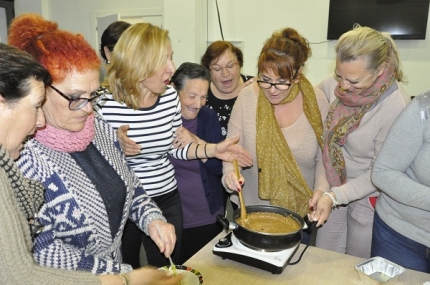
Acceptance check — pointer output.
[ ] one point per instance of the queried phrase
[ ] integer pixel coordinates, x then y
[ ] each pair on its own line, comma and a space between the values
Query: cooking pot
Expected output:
264, 241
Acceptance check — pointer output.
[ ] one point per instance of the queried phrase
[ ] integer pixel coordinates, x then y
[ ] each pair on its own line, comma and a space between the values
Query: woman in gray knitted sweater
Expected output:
401, 228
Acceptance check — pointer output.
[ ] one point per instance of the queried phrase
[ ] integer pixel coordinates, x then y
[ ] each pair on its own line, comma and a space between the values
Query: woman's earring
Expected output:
107, 61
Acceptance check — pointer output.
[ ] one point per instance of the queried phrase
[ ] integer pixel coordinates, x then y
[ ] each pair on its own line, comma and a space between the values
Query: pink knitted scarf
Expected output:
65, 141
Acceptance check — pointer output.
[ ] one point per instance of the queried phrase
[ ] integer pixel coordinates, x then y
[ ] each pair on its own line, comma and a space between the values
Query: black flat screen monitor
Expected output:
403, 19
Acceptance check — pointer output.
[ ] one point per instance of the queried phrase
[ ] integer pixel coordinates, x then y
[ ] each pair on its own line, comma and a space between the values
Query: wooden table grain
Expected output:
318, 266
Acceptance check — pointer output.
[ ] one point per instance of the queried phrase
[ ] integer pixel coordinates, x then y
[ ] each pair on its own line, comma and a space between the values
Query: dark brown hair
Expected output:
111, 35
216, 49
16, 70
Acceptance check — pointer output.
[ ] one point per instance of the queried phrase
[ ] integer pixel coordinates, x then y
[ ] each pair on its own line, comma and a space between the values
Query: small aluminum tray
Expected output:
378, 270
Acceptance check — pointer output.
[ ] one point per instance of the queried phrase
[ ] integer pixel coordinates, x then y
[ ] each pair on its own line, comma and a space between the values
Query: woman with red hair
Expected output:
90, 192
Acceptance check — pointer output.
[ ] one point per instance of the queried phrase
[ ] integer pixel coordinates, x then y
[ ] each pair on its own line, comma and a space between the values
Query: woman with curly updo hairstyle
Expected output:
61, 52
90, 192
280, 121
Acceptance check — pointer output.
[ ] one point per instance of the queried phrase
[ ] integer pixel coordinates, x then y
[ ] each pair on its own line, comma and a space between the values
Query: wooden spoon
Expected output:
243, 215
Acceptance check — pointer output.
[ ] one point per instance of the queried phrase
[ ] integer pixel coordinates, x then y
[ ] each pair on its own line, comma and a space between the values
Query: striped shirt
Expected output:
153, 128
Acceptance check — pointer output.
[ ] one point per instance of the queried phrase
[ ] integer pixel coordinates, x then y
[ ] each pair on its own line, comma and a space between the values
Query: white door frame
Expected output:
123, 13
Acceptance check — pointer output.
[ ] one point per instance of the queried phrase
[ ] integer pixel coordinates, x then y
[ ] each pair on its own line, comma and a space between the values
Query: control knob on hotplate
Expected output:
223, 242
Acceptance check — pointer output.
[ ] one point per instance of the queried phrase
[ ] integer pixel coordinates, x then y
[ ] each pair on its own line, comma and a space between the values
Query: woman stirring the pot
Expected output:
279, 121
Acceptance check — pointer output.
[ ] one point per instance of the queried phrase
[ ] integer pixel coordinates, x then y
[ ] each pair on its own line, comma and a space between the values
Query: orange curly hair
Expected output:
59, 51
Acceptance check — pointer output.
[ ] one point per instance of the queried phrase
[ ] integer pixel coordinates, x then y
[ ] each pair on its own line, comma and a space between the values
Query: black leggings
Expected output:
193, 239
170, 205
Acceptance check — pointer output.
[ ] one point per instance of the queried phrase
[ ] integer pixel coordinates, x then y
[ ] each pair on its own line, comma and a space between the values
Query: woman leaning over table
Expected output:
279, 120
366, 99
90, 191
401, 227
22, 92
142, 102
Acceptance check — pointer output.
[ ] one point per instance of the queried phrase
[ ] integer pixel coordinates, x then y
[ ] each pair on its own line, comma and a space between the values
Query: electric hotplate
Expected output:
229, 247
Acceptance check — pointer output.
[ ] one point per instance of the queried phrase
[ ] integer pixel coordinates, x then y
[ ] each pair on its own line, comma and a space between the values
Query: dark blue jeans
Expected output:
391, 245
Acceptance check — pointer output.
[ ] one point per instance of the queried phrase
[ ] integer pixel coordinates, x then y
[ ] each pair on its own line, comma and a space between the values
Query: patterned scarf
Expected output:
28, 193
279, 179
65, 141
344, 117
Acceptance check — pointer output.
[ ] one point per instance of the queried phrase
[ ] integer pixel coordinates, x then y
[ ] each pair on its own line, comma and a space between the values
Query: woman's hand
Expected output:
227, 150
184, 137
167, 242
129, 146
231, 181
322, 206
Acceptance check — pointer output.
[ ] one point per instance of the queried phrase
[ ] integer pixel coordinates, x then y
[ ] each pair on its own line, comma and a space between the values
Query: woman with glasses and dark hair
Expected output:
90, 191
224, 60
279, 120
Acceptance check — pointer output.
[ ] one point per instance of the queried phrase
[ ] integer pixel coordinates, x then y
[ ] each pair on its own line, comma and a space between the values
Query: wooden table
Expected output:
318, 266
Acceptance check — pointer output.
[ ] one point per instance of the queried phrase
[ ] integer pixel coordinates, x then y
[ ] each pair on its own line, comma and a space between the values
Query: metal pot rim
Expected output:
260, 208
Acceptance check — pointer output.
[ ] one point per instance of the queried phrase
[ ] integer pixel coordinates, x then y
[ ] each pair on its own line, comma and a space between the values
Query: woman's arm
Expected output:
406, 145
379, 123
18, 266
50, 250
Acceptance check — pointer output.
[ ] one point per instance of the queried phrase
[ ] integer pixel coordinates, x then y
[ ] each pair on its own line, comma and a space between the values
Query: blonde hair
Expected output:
374, 46
139, 53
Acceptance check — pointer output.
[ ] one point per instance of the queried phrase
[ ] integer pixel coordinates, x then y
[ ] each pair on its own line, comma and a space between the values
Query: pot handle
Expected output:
307, 224
225, 223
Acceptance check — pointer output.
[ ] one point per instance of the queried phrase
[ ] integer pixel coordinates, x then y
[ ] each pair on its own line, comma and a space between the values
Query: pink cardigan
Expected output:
300, 137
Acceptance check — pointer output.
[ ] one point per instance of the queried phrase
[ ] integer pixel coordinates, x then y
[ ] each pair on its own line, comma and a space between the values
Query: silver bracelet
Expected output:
335, 202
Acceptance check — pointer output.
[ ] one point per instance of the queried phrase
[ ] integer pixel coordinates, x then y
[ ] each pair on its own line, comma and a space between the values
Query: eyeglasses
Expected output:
79, 103
280, 86
230, 68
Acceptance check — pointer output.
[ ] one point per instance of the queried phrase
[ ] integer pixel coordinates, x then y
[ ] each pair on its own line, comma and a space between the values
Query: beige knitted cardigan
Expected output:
16, 261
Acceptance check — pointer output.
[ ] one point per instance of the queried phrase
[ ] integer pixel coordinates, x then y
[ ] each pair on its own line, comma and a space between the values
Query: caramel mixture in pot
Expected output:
271, 223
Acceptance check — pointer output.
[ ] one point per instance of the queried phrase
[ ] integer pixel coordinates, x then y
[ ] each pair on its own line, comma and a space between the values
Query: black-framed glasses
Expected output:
280, 86
230, 68
79, 103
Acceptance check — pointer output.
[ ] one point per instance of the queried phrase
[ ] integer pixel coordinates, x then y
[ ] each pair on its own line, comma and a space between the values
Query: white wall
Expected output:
253, 21
191, 23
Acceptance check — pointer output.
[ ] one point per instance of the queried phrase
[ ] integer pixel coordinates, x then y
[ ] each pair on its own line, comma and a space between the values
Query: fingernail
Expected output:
240, 182
311, 208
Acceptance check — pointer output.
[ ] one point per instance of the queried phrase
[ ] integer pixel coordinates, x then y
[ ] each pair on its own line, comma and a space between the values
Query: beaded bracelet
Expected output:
206, 154
125, 278
335, 202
